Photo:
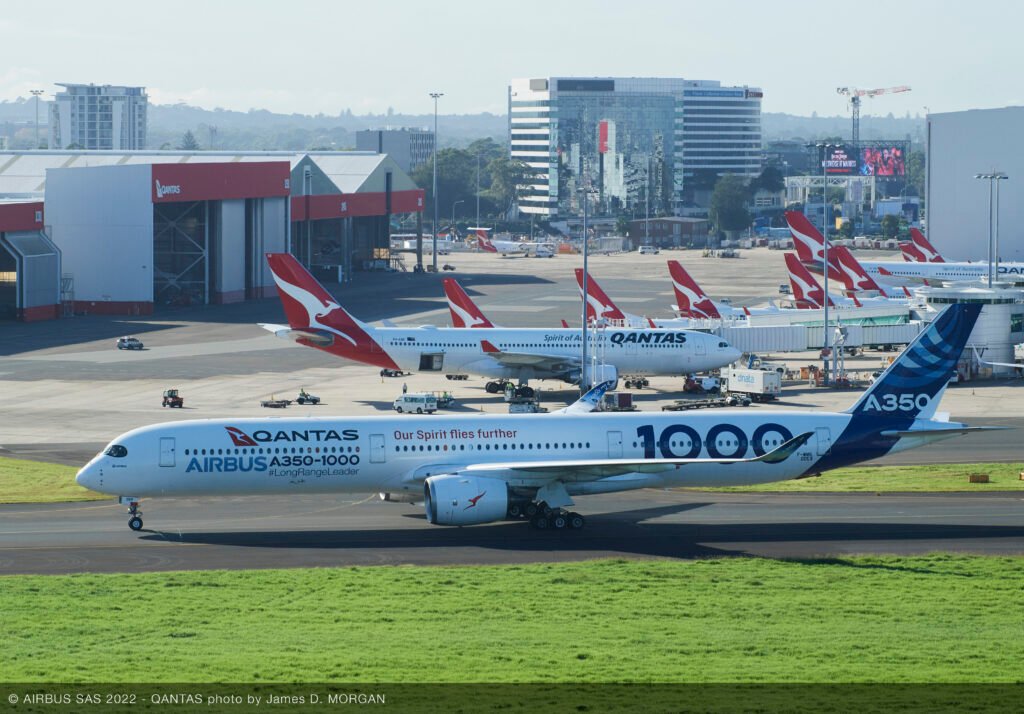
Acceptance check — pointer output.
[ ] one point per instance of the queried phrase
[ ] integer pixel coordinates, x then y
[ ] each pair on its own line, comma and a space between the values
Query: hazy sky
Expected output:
310, 56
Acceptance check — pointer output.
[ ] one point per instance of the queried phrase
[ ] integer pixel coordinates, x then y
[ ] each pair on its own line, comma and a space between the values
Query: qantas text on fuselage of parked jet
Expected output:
316, 320
482, 468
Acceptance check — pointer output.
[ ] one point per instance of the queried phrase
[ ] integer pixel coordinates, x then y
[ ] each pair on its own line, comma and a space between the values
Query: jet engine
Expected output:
598, 374
456, 500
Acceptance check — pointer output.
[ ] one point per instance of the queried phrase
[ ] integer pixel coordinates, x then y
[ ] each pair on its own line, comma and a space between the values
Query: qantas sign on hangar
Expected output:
167, 234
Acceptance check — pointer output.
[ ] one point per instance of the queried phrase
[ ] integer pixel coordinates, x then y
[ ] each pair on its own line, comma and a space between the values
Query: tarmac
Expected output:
66, 391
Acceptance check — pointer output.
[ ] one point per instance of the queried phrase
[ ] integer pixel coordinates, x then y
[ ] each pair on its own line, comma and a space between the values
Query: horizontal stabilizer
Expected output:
311, 336
935, 432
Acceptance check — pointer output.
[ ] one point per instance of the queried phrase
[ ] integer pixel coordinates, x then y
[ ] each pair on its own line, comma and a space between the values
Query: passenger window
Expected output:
117, 451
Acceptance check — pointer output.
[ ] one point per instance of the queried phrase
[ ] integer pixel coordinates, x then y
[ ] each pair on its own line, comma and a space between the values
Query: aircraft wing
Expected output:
539, 360
1015, 365
595, 469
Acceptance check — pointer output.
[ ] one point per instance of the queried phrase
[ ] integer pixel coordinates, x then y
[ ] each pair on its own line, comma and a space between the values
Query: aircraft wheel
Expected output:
540, 522
491, 388
576, 521
135, 523
531, 510
559, 521
515, 510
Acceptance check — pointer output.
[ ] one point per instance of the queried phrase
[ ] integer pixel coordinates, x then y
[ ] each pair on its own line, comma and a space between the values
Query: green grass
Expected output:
932, 478
939, 618
37, 482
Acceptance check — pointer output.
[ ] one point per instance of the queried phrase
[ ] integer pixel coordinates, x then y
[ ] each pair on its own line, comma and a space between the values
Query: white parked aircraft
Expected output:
317, 320
482, 468
810, 247
536, 249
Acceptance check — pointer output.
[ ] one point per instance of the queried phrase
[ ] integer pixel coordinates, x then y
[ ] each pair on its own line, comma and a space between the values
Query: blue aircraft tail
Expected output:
913, 383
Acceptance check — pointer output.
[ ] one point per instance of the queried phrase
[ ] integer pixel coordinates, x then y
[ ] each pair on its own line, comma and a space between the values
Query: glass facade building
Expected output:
89, 116
634, 144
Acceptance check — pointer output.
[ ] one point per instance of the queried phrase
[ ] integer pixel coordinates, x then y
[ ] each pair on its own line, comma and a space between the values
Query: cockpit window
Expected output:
117, 451
723, 344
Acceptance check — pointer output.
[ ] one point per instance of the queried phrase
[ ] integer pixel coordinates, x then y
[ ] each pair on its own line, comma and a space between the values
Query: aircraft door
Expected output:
614, 444
824, 438
431, 361
701, 347
376, 448
167, 451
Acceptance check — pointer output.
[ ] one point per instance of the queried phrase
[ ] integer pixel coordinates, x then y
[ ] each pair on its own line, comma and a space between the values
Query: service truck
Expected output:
761, 385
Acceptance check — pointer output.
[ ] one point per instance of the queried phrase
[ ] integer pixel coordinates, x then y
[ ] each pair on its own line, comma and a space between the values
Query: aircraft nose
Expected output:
734, 354
86, 477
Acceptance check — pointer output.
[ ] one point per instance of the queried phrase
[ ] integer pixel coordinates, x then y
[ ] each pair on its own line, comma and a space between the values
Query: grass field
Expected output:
940, 618
36, 482
938, 477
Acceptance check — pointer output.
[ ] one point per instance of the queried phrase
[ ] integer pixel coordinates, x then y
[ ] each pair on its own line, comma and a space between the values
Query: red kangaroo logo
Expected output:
472, 501
240, 437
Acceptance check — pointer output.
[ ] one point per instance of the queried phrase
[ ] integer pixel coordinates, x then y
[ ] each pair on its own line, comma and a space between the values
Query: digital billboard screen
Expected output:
840, 160
883, 161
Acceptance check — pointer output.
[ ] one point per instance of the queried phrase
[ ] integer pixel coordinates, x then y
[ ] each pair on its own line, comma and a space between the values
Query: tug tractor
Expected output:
307, 398
173, 399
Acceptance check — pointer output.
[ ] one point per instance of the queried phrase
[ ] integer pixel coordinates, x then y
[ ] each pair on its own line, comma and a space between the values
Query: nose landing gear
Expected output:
135, 520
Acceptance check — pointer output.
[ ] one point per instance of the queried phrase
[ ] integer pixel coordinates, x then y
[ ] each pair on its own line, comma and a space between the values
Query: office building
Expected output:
639, 144
90, 117
410, 148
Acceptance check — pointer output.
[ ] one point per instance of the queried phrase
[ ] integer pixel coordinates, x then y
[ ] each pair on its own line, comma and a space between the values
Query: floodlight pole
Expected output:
433, 225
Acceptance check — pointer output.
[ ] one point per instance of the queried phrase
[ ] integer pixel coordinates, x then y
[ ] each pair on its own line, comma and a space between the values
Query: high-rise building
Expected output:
89, 116
640, 144
410, 148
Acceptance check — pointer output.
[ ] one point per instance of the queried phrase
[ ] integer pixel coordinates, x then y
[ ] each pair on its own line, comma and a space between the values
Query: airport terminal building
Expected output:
130, 233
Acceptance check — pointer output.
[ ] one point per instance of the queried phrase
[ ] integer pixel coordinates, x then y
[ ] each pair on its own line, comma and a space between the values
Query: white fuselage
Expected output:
395, 454
632, 351
910, 274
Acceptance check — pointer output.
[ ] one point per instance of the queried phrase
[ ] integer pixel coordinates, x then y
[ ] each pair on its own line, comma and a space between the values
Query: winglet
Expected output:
777, 456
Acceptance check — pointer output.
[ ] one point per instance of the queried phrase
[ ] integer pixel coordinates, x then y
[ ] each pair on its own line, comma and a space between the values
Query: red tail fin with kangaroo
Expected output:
599, 305
464, 311
690, 299
311, 309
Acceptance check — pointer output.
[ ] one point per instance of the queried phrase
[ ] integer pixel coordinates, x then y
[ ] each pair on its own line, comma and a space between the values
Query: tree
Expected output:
915, 171
510, 180
771, 179
188, 142
890, 225
728, 208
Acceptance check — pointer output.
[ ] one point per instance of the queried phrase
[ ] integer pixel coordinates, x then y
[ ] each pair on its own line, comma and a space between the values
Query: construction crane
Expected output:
855, 94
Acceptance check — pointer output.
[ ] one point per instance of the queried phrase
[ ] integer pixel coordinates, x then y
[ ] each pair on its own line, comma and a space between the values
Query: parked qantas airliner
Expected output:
483, 468
810, 246
692, 301
315, 319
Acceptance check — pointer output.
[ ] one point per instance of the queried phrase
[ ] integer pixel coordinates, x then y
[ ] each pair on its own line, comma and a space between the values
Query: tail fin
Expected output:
484, 244
925, 247
690, 299
912, 385
911, 253
320, 321
599, 305
809, 243
856, 278
565, 324
464, 311
807, 293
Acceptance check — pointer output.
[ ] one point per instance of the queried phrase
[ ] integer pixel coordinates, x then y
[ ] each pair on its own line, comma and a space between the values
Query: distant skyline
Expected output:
317, 56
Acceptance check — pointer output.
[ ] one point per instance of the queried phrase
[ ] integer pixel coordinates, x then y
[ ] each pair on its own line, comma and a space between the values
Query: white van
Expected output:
418, 402
648, 250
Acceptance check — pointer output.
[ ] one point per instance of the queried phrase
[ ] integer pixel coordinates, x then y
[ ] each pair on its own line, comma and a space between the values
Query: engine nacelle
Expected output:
456, 500
405, 497
595, 375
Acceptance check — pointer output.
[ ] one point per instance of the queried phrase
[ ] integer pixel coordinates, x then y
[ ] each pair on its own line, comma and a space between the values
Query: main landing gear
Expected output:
543, 517
637, 383
501, 387
135, 522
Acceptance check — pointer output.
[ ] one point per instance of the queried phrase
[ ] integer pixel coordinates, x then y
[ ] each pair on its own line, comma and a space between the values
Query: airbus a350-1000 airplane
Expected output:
316, 320
482, 468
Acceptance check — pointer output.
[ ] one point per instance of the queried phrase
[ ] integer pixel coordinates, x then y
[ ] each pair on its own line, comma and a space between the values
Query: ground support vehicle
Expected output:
759, 384
732, 400
173, 399
129, 343
307, 398
416, 402
275, 403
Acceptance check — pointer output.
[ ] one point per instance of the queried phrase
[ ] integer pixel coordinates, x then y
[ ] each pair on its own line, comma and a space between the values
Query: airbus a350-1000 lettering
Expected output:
477, 469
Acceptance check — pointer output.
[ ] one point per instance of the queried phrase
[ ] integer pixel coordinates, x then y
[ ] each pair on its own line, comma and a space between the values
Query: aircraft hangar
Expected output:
133, 232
